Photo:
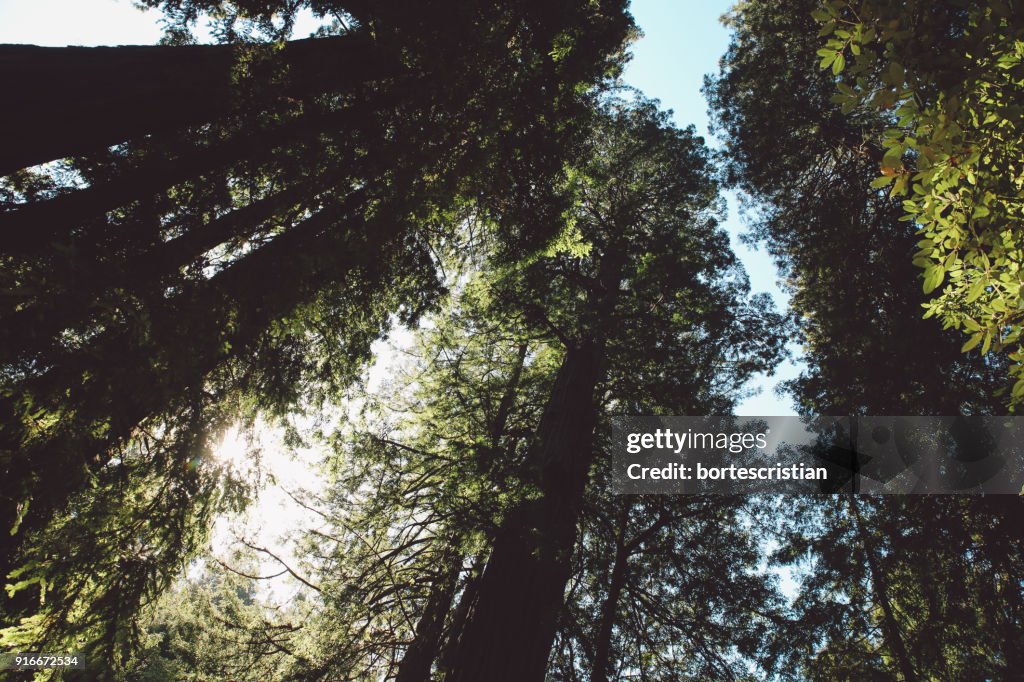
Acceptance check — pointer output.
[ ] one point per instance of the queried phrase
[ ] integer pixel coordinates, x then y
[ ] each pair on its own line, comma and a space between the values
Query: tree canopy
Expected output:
947, 79
240, 251
877, 600
219, 238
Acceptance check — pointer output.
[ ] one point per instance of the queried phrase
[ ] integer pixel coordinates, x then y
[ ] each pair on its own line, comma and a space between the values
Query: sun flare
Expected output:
235, 449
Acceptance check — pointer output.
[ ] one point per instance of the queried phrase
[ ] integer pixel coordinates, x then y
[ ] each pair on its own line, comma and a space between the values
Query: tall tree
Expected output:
948, 79
667, 587
245, 251
416, 488
810, 169
647, 300
436, 569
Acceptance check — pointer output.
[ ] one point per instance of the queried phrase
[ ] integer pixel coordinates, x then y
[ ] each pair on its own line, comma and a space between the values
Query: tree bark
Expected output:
426, 645
35, 326
106, 389
34, 225
64, 101
509, 635
511, 630
880, 586
470, 591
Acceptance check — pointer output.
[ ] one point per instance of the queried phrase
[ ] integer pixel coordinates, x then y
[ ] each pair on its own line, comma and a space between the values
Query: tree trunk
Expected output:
511, 630
426, 645
460, 617
880, 586
609, 609
125, 375
36, 224
35, 326
64, 101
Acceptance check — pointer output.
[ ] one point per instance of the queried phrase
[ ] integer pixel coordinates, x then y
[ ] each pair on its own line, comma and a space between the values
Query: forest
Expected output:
212, 239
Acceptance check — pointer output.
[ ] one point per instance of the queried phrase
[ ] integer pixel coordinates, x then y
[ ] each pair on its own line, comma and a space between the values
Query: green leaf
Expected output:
1018, 389
895, 74
900, 188
933, 277
838, 65
971, 342
976, 290
893, 156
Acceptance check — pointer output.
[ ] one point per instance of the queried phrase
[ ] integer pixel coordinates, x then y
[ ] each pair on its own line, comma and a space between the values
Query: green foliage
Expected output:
239, 260
653, 317
807, 169
643, 263
948, 77
429, 471
666, 585
811, 174
213, 626
896, 587
87, 575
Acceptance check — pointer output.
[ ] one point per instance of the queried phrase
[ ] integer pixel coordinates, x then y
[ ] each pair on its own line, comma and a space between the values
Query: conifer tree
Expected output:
871, 572
202, 260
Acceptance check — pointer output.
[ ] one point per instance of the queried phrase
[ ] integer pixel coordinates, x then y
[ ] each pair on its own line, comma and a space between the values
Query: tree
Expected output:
642, 246
415, 490
808, 169
450, 531
904, 588
948, 80
667, 587
214, 626
244, 253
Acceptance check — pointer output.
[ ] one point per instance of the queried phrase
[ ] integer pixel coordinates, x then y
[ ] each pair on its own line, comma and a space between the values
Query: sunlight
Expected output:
235, 450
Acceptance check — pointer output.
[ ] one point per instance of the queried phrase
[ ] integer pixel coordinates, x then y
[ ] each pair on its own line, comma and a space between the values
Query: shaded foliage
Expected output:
885, 594
244, 259
948, 79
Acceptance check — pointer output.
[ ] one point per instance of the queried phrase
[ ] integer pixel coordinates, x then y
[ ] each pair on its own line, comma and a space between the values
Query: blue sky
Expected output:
682, 42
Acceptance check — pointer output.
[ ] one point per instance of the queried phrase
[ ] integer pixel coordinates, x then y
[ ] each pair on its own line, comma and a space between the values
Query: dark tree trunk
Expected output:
127, 374
609, 609
35, 326
508, 398
64, 101
460, 617
509, 635
511, 630
880, 586
426, 645
71, 100
37, 224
